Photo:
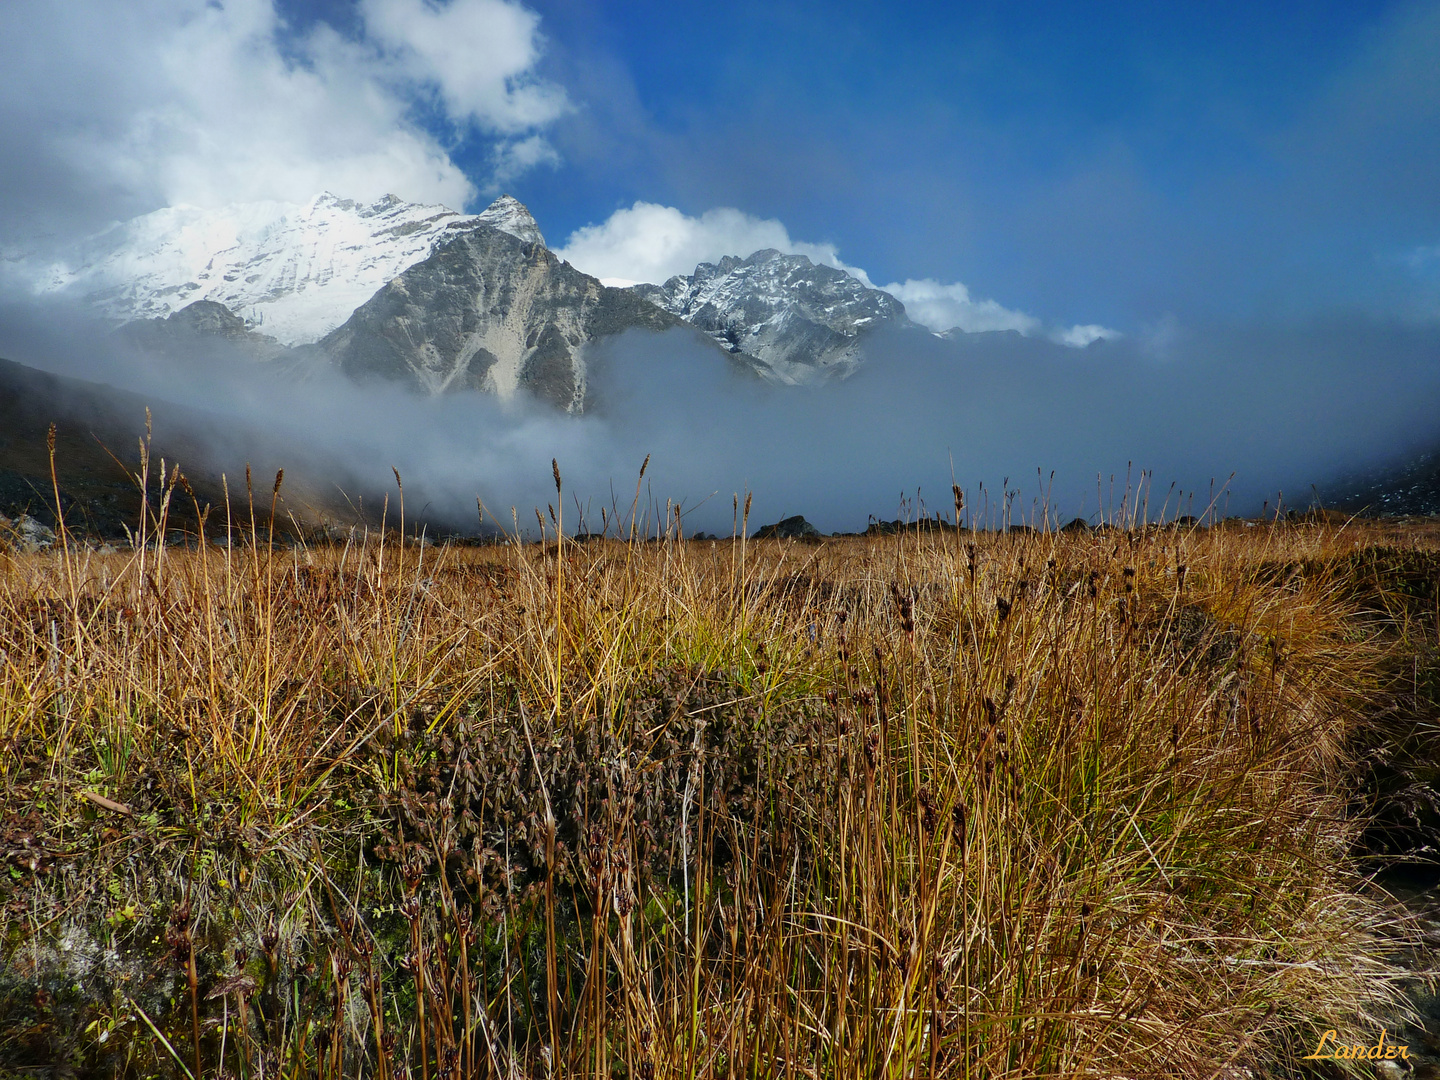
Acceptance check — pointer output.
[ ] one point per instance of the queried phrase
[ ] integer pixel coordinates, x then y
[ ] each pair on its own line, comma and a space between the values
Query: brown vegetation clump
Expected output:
931, 804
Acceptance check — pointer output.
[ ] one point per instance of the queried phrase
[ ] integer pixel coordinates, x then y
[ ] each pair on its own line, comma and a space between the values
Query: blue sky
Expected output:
1109, 163
1127, 165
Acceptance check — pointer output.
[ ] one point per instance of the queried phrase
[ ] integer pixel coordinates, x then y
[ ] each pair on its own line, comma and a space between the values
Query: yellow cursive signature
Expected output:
1381, 1051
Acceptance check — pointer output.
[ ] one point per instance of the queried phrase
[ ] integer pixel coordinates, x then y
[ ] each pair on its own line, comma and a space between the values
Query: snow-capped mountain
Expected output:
294, 272
442, 301
297, 274
795, 319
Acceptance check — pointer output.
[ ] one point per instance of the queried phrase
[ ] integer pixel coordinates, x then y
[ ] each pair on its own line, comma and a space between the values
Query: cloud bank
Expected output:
1282, 408
109, 110
940, 307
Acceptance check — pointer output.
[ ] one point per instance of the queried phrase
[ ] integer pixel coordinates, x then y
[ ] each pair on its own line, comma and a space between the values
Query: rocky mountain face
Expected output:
1403, 488
292, 272
442, 301
491, 311
204, 323
209, 333
791, 319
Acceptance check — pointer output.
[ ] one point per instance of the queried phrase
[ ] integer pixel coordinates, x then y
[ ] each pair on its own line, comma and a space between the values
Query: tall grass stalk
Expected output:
947, 803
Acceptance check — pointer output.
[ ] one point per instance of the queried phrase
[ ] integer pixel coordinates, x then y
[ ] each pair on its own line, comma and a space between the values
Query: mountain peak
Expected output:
765, 255
484, 312
289, 270
510, 215
797, 320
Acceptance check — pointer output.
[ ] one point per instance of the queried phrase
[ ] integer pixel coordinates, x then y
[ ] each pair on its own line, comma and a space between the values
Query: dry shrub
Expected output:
936, 803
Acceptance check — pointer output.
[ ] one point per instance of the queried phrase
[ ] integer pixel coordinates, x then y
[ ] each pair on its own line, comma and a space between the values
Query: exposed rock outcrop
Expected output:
24, 534
489, 311
792, 319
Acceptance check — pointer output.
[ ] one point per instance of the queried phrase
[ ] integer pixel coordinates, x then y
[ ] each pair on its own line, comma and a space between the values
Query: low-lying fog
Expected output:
1282, 408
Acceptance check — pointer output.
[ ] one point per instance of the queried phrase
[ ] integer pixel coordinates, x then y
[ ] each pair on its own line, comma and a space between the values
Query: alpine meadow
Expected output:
926, 568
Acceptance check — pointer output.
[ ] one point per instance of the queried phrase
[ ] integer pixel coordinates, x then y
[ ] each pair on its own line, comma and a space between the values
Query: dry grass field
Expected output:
943, 803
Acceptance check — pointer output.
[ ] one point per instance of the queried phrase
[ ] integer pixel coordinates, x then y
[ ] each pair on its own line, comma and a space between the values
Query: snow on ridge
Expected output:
797, 319
510, 215
292, 271
778, 282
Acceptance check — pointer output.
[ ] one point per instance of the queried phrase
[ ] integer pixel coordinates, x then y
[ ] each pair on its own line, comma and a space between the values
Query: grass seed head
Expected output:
671, 717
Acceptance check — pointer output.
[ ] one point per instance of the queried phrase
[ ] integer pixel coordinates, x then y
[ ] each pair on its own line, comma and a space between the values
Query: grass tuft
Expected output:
937, 803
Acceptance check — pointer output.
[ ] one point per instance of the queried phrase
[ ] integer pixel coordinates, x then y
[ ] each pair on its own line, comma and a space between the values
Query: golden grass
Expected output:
936, 804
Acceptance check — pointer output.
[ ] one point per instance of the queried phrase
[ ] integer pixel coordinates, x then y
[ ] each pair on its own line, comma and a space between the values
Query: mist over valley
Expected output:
486, 356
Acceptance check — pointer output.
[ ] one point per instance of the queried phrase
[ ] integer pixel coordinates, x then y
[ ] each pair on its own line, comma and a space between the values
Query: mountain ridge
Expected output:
96, 458
439, 301
488, 311
294, 272
796, 320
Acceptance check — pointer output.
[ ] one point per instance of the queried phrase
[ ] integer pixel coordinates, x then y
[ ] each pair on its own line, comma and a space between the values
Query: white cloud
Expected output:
649, 242
520, 156
942, 307
127, 107
1077, 337
478, 54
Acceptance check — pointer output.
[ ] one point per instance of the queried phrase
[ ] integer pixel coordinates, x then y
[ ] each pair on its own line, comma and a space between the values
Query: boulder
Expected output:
25, 534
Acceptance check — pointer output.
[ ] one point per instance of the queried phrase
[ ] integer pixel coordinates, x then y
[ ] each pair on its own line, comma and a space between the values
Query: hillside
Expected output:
98, 430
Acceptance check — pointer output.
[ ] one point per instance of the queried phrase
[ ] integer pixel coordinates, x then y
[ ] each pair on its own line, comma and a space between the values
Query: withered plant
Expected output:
937, 803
